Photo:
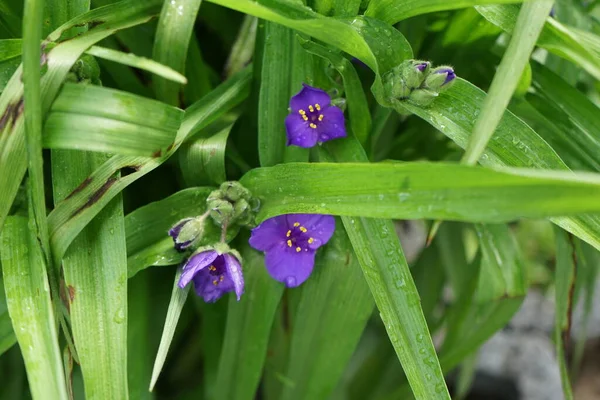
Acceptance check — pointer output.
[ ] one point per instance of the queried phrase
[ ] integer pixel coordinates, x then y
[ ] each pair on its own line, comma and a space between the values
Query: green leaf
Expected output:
358, 108
243, 48
72, 214
95, 273
331, 315
423, 190
579, 47
148, 243
566, 267
392, 11
175, 28
524, 36
247, 330
30, 308
178, 297
502, 273
125, 124
274, 95
137, 62
386, 271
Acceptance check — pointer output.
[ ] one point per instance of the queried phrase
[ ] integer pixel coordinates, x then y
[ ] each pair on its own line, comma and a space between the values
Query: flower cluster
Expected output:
290, 242
416, 82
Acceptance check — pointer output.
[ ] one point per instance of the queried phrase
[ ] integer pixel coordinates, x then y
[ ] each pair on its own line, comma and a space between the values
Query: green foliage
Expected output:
146, 108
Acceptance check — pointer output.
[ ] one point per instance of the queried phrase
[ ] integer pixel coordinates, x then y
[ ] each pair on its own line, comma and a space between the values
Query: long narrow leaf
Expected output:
29, 305
527, 29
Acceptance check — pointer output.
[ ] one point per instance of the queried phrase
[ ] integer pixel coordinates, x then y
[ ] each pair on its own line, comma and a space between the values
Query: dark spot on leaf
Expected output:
93, 24
170, 147
12, 113
566, 332
128, 170
213, 152
97, 195
71, 290
157, 153
81, 186
347, 262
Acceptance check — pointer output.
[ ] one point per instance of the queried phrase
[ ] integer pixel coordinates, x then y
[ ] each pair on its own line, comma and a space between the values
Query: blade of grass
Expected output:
392, 11
175, 28
178, 297
424, 190
331, 315
247, 330
566, 270
243, 48
274, 93
137, 62
30, 308
385, 269
527, 29
125, 124
579, 47
95, 273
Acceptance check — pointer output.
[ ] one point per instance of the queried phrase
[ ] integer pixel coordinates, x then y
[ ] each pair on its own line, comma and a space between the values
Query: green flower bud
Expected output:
220, 211
440, 79
234, 191
188, 232
422, 97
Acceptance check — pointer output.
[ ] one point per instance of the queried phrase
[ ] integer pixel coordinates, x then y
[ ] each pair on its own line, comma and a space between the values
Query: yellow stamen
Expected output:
221, 278
302, 112
298, 249
289, 243
215, 282
310, 240
289, 233
318, 107
320, 117
304, 117
212, 268
296, 224
312, 125
303, 229
311, 109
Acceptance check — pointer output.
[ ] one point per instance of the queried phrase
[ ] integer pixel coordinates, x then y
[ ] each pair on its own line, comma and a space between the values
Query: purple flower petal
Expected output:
299, 133
194, 264
333, 125
289, 267
320, 227
308, 95
234, 270
269, 234
174, 231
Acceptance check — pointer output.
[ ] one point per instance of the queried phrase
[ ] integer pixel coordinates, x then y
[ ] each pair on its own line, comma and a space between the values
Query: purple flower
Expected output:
213, 274
313, 118
290, 242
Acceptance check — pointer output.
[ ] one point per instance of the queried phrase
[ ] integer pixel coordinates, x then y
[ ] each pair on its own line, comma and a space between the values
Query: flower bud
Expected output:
404, 78
187, 232
422, 97
220, 211
440, 78
234, 191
